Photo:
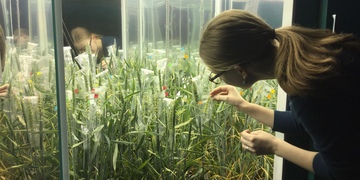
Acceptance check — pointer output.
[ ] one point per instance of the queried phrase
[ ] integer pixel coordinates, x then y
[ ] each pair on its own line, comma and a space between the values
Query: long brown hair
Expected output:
236, 37
304, 59
80, 34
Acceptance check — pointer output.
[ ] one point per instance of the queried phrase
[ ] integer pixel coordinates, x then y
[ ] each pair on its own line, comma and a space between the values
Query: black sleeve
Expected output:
285, 122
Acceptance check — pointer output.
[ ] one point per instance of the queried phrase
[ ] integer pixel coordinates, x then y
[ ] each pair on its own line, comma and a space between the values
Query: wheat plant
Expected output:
148, 118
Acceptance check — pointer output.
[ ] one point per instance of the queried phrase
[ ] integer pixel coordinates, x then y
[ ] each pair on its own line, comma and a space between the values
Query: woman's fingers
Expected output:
246, 144
258, 142
221, 89
4, 90
4, 87
248, 148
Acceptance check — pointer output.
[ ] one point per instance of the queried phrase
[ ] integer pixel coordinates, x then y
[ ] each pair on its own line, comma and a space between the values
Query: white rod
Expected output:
141, 28
218, 7
334, 18
124, 30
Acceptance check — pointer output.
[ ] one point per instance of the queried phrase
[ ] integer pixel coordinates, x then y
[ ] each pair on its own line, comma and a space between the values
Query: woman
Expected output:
4, 88
21, 37
82, 37
318, 69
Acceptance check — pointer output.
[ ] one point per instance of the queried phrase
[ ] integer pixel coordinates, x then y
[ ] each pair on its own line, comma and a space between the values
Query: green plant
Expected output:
139, 119
28, 123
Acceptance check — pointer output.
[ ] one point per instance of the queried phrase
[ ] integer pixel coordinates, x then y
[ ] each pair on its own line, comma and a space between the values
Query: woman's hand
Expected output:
4, 90
258, 142
228, 94
104, 64
261, 143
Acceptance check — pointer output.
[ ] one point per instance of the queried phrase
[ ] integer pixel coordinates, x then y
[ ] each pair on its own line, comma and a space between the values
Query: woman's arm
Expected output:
298, 156
259, 113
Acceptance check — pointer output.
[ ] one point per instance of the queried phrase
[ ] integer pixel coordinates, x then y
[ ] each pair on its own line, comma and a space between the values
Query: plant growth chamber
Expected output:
148, 115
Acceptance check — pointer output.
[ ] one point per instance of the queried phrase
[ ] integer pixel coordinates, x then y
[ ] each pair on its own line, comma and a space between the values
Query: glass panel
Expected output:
6, 16
28, 116
269, 10
163, 118
143, 115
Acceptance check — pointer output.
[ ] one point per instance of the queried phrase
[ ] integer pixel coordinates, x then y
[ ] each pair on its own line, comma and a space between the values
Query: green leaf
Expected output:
144, 164
98, 129
183, 124
122, 142
115, 155
77, 144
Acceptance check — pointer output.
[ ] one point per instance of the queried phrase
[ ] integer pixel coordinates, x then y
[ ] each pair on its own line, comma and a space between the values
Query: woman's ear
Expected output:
241, 70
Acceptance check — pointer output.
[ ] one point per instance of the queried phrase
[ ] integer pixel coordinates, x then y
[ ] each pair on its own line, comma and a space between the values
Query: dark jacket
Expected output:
332, 121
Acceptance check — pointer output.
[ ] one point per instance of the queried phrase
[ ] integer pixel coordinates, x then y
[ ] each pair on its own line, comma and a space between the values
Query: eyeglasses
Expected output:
214, 78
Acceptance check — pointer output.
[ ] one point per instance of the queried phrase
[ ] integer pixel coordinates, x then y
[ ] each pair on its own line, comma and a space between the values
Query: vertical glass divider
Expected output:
282, 96
60, 88
323, 13
7, 21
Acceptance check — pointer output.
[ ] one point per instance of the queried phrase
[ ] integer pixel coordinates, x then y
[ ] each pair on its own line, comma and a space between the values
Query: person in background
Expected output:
4, 88
21, 37
98, 43
318, 69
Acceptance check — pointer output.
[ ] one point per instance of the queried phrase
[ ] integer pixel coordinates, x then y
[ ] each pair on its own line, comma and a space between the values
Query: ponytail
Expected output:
306, 58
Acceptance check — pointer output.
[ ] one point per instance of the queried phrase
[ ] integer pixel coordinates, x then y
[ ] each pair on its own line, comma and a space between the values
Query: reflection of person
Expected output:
98, 43
318, 69
4, 88
21, 37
